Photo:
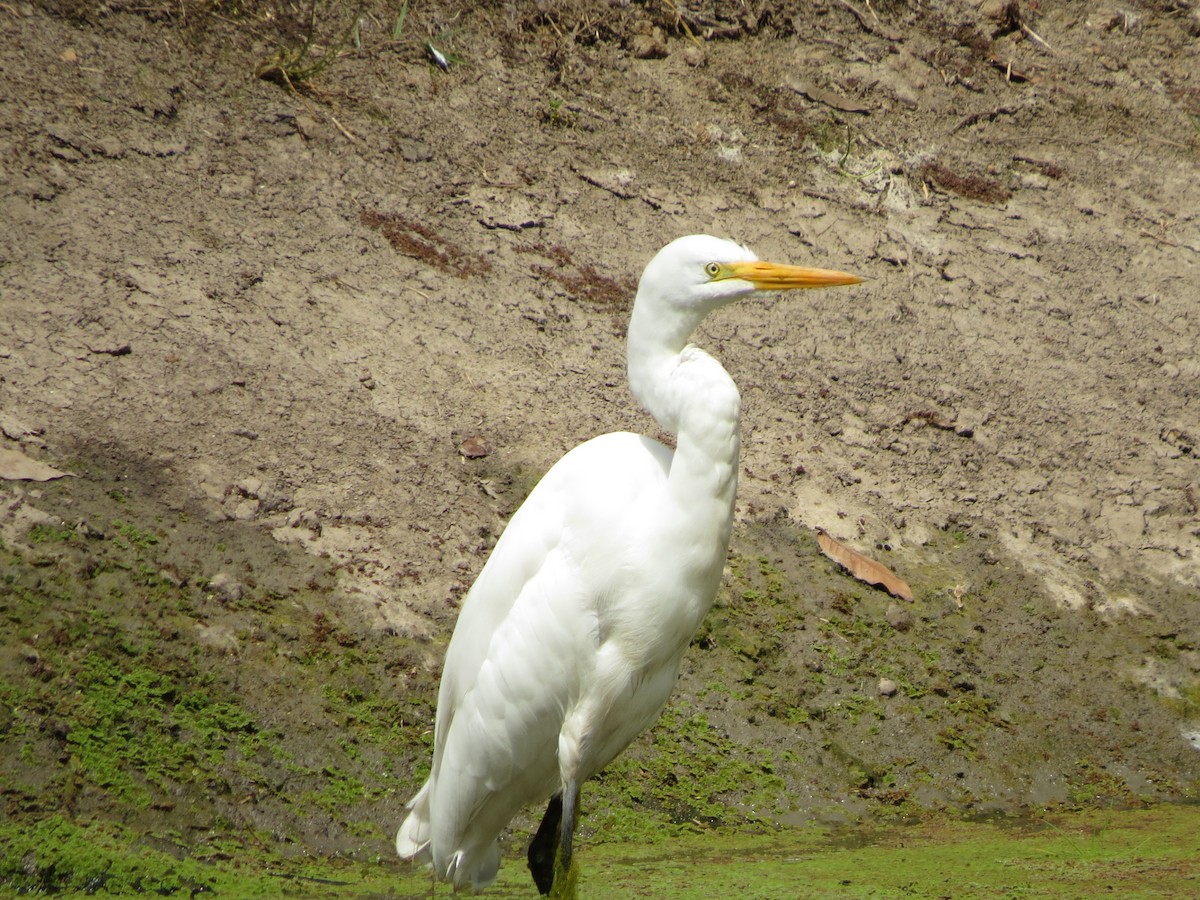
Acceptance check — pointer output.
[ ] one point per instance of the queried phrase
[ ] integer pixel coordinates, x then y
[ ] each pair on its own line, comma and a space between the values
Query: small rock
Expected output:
995, 9
169, 148
249, 487
85, 529
887, 687
693, 56
111, 348
649, 46
306, 126
37, 189
226, 587
305, 518
271, 501
236, 186
218, 637
172, 576
413, 151
110, 147
899, 617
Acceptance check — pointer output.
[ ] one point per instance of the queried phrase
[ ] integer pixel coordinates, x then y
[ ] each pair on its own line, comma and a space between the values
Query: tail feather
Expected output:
412, 840
477, 869
473, 867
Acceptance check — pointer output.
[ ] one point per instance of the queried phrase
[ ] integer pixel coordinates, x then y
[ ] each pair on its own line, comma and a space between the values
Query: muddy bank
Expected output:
261, 323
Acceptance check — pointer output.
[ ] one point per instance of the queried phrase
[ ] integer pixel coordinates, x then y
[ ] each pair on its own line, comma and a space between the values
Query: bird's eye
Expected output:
713, 269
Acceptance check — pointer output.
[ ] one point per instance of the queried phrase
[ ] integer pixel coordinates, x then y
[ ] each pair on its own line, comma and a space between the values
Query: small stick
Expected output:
1033, 34
351, 138
1169, 243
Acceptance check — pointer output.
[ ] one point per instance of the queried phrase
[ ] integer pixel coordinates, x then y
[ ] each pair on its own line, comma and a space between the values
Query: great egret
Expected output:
569, 642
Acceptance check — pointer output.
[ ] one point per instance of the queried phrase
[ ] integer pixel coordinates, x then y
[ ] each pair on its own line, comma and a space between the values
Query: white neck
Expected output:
691, 395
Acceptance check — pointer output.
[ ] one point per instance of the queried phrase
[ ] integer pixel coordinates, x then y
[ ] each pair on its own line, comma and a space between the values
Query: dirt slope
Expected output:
289, 308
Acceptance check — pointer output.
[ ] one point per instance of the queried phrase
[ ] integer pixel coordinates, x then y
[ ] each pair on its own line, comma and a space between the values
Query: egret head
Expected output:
696, 274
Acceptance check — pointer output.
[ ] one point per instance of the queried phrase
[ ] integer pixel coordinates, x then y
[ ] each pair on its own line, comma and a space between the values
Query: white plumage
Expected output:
569, 642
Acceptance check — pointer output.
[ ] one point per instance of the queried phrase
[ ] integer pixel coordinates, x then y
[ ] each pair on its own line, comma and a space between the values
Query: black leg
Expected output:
544, 846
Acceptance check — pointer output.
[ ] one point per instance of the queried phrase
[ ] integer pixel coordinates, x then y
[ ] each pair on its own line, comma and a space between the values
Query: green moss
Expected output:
143, 696
133, 534
54, 856
134, 733
40, 534
957, 739
1146, 853
1091, 782
1187, 704
690, 772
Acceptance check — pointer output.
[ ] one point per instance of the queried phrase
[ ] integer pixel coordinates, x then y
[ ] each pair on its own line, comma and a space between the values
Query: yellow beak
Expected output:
767, 276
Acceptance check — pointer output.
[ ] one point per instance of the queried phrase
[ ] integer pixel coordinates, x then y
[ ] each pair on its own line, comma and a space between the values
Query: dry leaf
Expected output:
863, 568
474, 448
16, 466
15, 428
829, 98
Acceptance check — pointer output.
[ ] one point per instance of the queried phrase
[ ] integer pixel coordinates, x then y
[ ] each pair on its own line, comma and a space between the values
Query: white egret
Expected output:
569, 642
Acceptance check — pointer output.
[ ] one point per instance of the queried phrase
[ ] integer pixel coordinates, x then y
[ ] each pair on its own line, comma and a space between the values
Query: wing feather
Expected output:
525, 641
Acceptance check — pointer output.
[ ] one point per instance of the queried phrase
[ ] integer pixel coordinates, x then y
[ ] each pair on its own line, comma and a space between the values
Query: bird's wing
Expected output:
500, 749
529, 629
581, 504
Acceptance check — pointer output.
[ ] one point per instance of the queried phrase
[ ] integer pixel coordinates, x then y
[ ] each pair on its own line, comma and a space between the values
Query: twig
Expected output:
991, 116
1034, 35
351, 138
1162, 240
875, 27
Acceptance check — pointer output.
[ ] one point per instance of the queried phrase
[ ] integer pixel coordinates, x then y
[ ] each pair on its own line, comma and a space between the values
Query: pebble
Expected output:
249, 487
305, 518
110, 147
649, 46
693, 55
899, 617
219, 637
226, 587
887, 687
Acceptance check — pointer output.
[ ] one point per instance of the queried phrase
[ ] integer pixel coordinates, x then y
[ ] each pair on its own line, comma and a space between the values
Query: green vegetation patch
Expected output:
1129, 853
56, 856
211, 715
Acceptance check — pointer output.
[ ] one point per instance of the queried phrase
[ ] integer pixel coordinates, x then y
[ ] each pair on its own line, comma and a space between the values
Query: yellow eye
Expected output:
713, 269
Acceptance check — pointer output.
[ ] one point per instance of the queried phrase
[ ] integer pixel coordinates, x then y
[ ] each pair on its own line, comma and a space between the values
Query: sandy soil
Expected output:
366, 311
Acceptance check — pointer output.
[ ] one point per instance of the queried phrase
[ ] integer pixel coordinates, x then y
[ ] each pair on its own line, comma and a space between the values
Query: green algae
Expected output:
1129, 853
55, 856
